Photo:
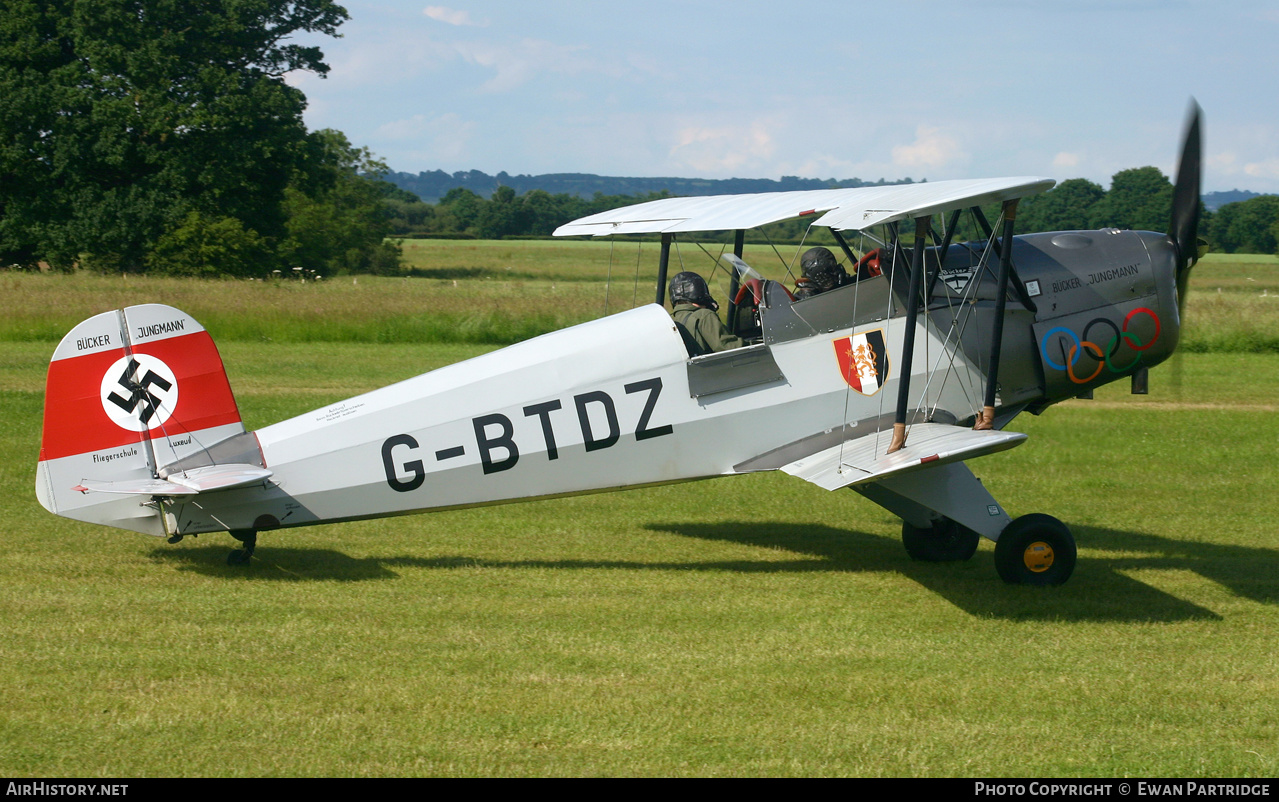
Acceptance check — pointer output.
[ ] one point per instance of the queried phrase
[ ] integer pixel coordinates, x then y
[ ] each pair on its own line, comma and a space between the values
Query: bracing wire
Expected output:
959, 324
800, 247
715, 260
780, 258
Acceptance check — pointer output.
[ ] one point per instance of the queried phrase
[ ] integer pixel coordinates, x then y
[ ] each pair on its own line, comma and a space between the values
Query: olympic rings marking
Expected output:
1114, 340
1074, 350
1153, 317
1102, 355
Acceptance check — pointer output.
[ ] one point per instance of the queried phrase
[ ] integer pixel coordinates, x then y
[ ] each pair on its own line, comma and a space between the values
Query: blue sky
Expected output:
932, 90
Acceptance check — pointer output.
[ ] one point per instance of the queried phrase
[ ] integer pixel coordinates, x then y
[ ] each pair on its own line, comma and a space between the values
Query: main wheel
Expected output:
943, 542
1035, 549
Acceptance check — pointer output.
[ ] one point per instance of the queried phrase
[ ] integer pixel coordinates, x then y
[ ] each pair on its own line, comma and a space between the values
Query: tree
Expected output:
543, 212
1139, 199
119, 118
409, 215
1066, 207
208, 248
502, 216
337, 215
1245, 227
460, 210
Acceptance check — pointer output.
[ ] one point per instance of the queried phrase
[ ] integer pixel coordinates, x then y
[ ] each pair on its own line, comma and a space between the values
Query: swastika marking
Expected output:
139, 392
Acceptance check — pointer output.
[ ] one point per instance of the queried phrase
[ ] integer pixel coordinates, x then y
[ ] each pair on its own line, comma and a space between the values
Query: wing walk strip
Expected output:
861, 459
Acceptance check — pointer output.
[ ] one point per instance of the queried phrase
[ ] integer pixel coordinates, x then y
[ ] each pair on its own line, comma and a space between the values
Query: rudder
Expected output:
128, 392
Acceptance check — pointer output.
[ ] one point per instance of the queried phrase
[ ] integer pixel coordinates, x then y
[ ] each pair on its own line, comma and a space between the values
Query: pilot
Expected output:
695, 311
820, 271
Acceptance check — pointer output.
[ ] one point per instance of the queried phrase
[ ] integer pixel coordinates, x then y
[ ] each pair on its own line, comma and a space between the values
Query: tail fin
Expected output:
128, 392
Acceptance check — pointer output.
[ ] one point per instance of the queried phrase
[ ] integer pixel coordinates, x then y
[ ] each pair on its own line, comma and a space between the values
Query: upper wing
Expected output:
843, 208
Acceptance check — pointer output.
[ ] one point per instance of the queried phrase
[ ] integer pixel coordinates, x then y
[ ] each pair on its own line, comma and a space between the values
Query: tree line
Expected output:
1140, 198
433, 185
463, 213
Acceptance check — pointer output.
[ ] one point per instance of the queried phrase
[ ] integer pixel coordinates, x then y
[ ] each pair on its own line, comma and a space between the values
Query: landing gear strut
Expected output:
945, 541
249, 538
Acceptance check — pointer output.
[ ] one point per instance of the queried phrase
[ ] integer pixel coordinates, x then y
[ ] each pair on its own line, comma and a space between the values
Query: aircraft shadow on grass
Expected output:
1100, 591
283, 564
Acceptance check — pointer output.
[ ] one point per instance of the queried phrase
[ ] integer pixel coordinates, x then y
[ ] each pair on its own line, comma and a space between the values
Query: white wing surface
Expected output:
842, 208
863, 459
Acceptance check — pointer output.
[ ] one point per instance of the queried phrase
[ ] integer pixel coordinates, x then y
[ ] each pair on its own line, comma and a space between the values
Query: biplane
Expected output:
887, 385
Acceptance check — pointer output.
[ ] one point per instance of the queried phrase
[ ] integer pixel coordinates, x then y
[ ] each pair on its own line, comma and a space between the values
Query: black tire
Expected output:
249, 537
1037, 550
944, 542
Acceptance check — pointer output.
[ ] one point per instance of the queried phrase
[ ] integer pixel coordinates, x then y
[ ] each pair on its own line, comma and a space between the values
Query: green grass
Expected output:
1233, 305
496, 293
741, 627
42, 308
749, 626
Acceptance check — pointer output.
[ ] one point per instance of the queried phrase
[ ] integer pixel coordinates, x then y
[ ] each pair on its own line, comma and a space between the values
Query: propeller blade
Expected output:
1183, 229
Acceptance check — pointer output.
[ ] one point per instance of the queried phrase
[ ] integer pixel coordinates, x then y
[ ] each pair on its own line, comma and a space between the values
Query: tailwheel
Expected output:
945, 541
242, 556
1035, 549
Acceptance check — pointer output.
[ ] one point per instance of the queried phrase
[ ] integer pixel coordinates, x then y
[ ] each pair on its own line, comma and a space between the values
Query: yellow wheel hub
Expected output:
1038, 556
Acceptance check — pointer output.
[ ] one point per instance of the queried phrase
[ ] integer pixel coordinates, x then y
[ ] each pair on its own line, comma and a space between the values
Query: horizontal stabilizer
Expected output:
863, 459
136, 487
187, 483
220, 477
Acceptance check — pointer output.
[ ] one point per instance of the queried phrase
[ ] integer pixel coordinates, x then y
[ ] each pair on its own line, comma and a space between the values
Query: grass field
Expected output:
746, 626
499, 292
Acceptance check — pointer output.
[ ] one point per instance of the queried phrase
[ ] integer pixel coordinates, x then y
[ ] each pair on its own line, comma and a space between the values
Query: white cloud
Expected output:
1223, 162
1229, 163
389, 58
410, 128
396, 56
516, 64
1263, 169
1066, 160
931, 150
717, 150
451, 16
